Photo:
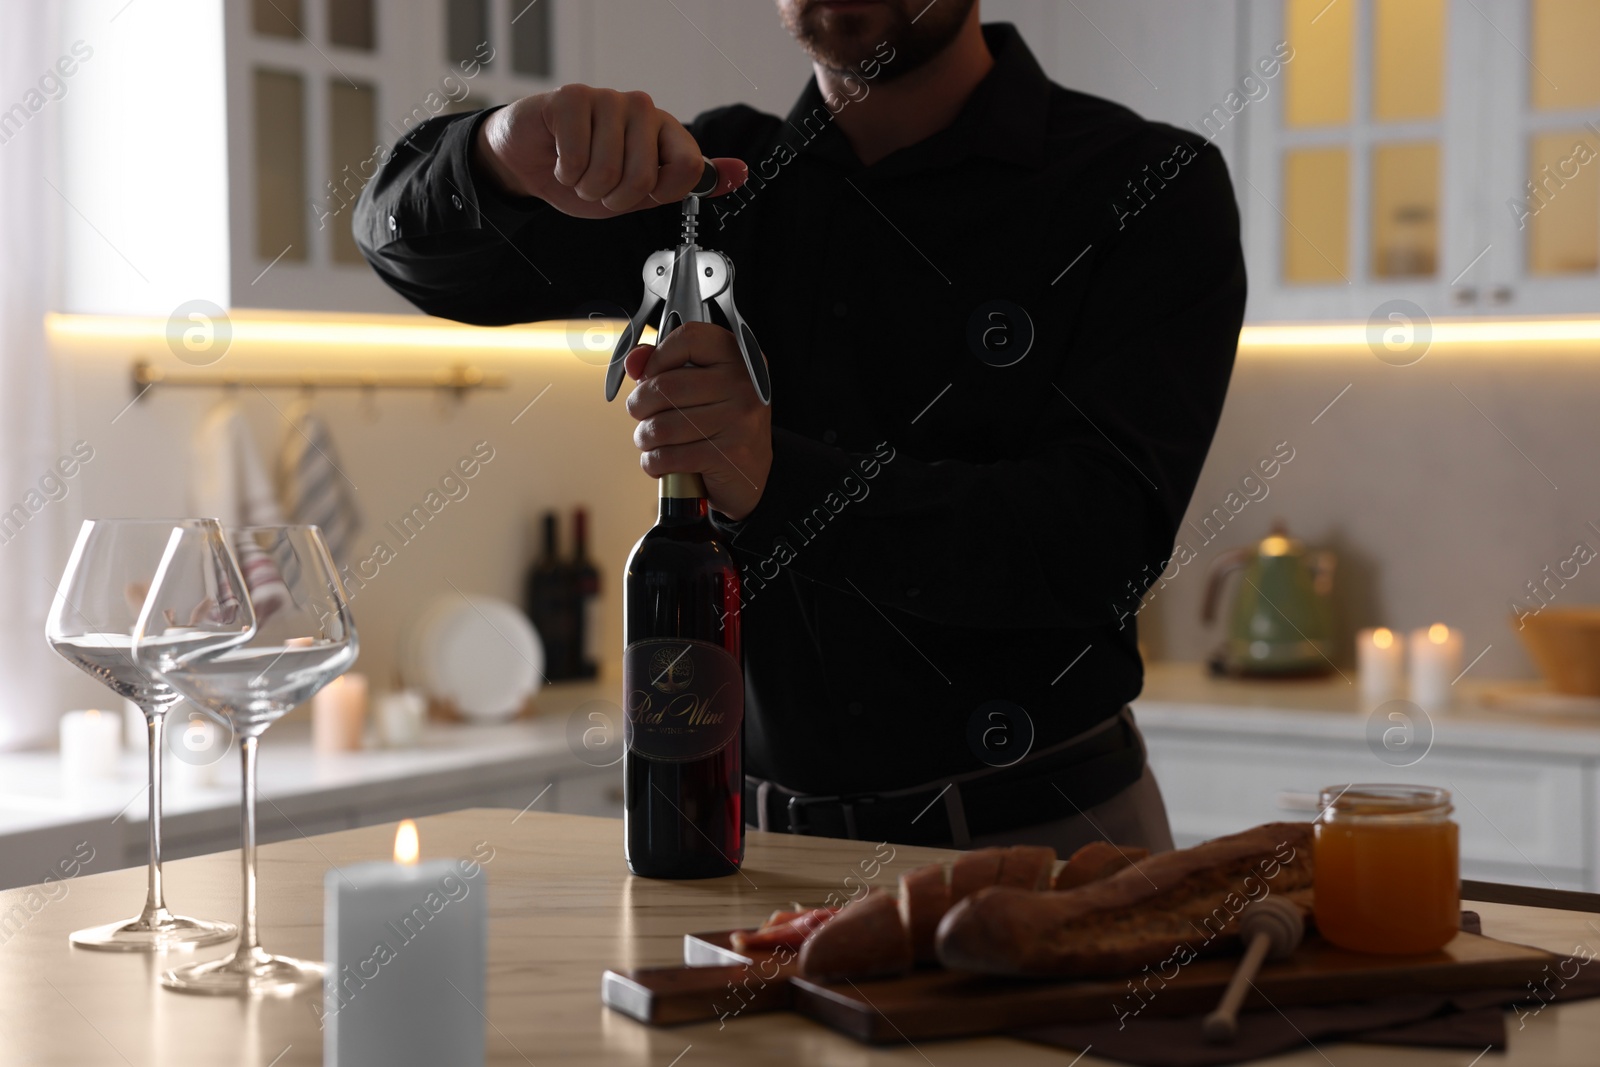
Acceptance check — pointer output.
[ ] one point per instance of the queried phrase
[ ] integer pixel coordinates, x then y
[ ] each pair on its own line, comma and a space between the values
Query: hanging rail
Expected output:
460, 379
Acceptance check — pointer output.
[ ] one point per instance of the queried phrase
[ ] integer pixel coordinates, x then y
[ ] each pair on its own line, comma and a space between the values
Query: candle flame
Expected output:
406, 844
94, 713
1438, 633
1383, 637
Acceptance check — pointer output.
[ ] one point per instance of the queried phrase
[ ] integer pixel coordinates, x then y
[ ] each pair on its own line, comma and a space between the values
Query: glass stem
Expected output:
249, 941
155, 904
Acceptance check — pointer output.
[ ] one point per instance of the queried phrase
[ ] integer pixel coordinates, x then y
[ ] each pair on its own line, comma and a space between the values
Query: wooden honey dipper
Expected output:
1270, 928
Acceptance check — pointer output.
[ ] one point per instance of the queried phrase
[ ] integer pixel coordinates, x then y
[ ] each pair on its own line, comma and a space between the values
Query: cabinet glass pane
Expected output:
1320, 78
350, 24
530, 38
1565, 71
1316, 203
352, 151
1563, 206
276, 18
466, 30
1405, 210
280, 165
1407, 58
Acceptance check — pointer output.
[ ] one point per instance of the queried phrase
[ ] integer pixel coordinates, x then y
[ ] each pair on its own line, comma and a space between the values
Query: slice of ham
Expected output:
786, 929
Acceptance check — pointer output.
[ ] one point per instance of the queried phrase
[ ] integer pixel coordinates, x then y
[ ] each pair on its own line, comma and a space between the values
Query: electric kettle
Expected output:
1281, 623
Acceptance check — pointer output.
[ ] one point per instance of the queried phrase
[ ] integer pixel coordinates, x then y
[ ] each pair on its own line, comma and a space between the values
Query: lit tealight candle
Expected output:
1435, 665
339, 714
406, 945
1380, 663
90, 742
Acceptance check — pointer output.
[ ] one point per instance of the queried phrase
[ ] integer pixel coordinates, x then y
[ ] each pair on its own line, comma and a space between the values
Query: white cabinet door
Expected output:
1541, 156
1362, 159
313, 110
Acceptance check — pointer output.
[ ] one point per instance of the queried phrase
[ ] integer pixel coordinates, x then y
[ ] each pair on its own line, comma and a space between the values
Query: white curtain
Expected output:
30, 240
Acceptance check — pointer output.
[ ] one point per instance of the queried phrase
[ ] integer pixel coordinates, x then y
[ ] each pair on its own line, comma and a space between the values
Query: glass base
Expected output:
255, 973
171, 932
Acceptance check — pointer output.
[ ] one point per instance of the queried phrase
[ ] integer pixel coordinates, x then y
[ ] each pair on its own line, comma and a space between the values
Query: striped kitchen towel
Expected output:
312, 485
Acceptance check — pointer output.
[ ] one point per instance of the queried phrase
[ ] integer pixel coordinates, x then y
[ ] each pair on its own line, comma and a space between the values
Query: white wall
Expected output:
570, 448
1436, 515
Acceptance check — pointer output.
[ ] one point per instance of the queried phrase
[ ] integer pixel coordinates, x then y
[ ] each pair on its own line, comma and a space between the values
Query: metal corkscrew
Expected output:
682, 282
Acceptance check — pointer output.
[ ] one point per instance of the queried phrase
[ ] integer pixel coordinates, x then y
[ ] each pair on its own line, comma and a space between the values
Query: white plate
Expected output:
480, 654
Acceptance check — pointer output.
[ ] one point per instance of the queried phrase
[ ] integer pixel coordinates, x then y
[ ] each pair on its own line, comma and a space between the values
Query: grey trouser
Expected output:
1135, 817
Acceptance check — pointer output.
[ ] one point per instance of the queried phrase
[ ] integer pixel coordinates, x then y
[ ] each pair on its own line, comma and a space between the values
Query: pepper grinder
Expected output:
682, 283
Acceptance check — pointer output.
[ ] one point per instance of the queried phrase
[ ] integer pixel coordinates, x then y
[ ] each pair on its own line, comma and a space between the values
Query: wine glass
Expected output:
304, 639
91, 626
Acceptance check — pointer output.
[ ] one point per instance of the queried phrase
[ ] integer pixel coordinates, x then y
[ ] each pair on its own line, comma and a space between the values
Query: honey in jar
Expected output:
1387, 869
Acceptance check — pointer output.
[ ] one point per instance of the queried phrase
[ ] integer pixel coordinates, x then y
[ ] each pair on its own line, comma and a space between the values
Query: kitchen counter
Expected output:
1517, 716
1522, 764
455, 765
562, 909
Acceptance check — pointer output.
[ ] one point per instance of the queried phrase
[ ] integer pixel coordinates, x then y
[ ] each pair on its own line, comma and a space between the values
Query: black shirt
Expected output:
938, 530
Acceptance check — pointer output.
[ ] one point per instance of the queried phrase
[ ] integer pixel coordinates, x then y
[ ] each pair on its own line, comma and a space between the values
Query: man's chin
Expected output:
842, 39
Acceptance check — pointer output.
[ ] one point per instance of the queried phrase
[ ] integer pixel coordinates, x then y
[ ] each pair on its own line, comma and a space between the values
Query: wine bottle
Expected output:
548, 604
683, 694
585, 581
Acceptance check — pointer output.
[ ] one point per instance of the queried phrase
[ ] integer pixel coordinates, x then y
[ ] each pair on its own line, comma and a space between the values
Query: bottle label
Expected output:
684, 699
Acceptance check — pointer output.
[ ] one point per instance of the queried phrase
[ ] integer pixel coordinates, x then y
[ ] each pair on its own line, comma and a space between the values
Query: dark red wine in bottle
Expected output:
683, 694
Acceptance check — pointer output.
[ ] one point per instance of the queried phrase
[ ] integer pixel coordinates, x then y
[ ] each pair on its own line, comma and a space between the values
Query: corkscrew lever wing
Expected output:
681, 283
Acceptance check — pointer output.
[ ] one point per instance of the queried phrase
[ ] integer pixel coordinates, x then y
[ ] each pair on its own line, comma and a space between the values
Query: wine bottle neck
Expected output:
683, 497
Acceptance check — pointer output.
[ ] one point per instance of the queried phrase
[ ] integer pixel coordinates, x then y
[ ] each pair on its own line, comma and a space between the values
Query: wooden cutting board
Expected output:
719, 983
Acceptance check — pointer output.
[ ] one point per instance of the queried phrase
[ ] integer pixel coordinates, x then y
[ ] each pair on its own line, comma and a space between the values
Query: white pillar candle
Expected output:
339, 714
406, 945
1435, 664
90, 743
1380, 664
399, 717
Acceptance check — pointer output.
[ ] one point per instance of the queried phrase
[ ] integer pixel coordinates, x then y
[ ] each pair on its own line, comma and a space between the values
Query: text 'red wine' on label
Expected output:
683, 699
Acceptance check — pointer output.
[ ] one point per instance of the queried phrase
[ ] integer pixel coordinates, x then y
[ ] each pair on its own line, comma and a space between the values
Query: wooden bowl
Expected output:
1565, 643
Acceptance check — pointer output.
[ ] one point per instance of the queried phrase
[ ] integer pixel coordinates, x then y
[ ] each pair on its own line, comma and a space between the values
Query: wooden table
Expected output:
562, 909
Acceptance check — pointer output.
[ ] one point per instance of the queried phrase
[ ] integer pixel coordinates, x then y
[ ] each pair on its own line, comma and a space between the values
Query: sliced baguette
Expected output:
924, 898
1026, 866
865, 940
1094, 861
1142, 914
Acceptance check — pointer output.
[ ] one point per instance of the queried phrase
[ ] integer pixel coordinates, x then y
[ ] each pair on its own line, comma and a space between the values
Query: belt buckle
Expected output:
796, 806
798, 824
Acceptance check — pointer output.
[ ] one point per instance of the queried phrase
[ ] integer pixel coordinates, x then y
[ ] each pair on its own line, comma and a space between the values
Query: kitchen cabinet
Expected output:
1525, 783
1445, 153
320, 91
237, 190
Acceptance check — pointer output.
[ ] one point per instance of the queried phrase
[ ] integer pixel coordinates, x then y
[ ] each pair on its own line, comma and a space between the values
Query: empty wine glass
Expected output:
91, 625
304, 639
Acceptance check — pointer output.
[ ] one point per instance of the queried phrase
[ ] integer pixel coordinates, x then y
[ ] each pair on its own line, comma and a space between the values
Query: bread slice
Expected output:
1027, 866
973, 871
865, 940
1094, 861
924, 898
1164, 906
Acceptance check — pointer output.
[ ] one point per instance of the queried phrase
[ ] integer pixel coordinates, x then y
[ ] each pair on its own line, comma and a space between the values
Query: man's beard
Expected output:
846, 40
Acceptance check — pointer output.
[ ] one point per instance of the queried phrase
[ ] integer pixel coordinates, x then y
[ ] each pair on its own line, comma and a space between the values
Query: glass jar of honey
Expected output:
1387, 869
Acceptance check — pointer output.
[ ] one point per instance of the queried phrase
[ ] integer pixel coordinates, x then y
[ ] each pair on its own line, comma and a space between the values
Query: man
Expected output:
1000, 317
